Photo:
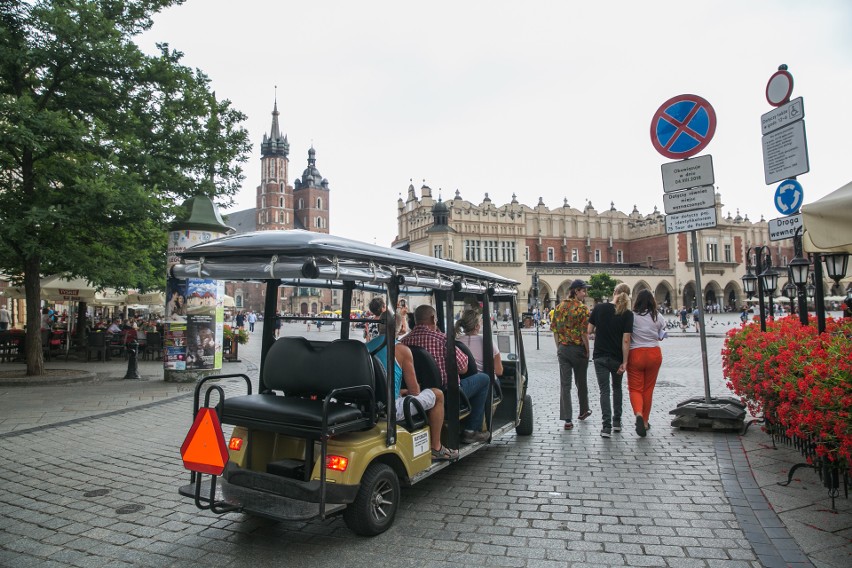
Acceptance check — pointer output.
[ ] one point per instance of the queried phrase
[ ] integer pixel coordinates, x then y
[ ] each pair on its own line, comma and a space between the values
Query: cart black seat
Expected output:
308, 391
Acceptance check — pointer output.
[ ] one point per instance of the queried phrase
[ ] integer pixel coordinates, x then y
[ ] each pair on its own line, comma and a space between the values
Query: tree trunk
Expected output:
32, 289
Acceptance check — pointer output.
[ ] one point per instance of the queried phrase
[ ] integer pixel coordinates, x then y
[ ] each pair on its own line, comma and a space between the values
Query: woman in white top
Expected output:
645, 358
471, 324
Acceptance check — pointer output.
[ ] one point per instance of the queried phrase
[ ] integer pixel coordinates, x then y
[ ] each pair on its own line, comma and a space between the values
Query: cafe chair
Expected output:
96, 342
153, 344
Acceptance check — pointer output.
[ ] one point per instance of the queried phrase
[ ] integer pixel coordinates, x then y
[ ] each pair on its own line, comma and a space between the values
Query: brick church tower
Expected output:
310, 197
280, 207
274, 197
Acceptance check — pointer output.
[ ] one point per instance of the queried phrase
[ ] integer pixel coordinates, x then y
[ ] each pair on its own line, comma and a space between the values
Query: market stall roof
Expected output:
61, 289
150, 299
828, 222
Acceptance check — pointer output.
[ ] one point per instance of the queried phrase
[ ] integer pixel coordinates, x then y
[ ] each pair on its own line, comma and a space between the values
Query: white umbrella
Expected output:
826, 221
150, 299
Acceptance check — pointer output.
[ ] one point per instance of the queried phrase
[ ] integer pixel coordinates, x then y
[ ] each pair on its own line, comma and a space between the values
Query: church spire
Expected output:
274, 144
275, 132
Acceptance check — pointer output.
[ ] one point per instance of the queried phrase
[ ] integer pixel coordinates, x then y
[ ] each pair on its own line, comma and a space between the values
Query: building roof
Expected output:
244, 221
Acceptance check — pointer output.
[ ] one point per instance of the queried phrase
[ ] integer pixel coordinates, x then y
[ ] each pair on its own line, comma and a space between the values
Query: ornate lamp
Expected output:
769, 279
835, 265
749, 282
790, 290
799, 269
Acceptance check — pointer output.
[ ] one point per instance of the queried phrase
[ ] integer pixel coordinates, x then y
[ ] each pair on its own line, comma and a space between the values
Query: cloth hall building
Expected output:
563, 243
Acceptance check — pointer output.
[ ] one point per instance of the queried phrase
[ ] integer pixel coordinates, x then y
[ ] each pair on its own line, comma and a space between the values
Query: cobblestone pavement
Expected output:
91, 472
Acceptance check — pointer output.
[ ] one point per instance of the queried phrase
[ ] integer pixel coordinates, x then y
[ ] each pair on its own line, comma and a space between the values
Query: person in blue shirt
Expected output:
432, 400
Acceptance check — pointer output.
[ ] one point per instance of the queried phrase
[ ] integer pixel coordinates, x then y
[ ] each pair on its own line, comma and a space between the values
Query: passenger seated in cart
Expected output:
432, 400
426, 335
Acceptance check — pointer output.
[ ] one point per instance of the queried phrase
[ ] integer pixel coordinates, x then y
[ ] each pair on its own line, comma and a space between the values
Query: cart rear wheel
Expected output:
375, 506
525, 428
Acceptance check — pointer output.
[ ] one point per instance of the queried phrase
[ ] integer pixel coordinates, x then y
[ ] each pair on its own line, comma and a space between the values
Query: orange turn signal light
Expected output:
338, 463
235, 444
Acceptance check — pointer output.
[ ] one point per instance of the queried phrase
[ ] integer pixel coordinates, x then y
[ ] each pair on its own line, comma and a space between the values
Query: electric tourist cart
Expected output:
318, 435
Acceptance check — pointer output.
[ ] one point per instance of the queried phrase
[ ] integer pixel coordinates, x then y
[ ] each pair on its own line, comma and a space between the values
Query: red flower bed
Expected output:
797, 378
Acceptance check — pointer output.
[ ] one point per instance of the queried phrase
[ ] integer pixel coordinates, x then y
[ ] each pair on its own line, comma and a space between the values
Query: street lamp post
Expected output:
799, 268
790, 291
835, 266
537, 314
766, 281
769, 278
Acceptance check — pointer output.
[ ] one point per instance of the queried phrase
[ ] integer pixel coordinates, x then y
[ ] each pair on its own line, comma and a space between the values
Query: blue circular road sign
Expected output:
788, 197
683, 126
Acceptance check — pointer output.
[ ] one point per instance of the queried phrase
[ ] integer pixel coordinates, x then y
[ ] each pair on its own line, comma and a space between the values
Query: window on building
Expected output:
575, 255
280, 202
550, 256
711, 247
619, 256
319, 202
507, 251
438, 251
728, 254
492, 251
527, 254
471, 250
597, 255
301, 204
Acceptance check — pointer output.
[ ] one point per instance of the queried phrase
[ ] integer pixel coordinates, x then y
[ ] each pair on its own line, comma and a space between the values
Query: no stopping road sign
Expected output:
683, 126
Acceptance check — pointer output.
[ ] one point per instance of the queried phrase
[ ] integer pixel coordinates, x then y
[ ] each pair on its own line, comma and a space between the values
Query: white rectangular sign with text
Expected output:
689, 200
691, 221
785, 227
684, 174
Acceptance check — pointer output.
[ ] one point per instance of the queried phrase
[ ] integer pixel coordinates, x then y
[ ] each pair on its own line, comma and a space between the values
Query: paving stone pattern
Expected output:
100, 489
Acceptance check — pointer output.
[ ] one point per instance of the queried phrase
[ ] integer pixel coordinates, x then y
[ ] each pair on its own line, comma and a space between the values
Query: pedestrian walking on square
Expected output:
252, 319
5, 318
611, 324
645, 358
570, 332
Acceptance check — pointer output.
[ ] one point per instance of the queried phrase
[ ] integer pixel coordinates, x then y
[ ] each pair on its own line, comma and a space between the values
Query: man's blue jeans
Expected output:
476, 389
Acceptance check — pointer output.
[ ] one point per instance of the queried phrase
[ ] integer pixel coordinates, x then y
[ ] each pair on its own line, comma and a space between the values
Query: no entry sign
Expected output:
683, 126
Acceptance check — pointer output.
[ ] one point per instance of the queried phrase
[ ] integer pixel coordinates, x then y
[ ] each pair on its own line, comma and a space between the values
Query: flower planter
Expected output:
801, 382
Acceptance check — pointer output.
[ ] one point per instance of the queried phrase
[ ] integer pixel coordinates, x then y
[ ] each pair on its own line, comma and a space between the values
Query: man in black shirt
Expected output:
611, 325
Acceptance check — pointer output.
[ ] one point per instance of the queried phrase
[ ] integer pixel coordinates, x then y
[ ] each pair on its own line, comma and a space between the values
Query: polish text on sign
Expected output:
688, 173
689, 200
691, 221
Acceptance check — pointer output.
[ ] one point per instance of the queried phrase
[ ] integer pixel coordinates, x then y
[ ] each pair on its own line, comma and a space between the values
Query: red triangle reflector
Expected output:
204, 449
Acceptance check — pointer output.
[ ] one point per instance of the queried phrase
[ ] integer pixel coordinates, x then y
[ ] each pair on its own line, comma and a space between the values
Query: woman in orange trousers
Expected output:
645, 358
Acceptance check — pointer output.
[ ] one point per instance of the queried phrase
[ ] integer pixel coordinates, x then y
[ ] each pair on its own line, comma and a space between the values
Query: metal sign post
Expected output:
701, 332
682, 127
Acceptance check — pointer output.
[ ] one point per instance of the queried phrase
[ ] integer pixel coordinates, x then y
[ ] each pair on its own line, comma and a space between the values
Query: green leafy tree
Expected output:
99, 143
601, 286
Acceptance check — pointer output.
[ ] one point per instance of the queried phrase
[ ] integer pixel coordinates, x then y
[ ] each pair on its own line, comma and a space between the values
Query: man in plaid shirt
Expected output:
426, 335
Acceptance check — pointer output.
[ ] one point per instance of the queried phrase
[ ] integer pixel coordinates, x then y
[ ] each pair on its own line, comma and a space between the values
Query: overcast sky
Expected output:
542, 99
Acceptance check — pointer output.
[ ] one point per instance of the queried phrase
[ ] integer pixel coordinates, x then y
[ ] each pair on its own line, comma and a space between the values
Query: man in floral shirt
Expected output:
570, 332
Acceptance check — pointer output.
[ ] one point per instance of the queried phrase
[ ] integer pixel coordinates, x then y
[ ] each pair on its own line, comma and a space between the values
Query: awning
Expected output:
827, 222
150, 299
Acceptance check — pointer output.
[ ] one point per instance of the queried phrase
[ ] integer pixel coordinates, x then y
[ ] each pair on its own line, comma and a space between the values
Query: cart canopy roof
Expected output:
304, 258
